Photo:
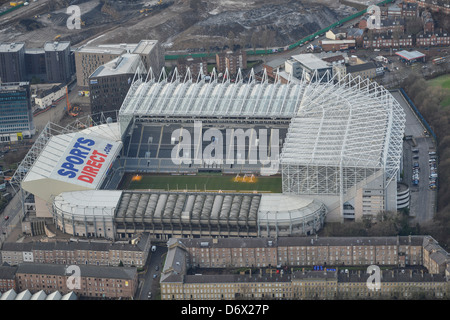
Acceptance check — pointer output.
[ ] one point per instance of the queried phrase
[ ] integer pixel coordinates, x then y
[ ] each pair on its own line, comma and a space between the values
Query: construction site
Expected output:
178, 24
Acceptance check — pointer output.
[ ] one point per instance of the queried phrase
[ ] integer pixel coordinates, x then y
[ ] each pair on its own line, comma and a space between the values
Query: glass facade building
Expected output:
16, 118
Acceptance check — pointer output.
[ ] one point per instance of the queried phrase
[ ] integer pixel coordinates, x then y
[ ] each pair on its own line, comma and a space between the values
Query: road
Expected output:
422, 202
13, 211
146, 281
25, 11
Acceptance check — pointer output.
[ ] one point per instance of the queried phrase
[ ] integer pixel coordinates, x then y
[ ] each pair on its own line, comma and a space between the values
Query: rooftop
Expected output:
102, 272
311, 61
145, 46
410, 55
56, 46
12, 47
125, 64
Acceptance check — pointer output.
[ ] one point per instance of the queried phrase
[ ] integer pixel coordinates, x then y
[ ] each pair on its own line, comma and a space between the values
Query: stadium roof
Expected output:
45, 169
345, 121
211, 99
100, 203
359, 124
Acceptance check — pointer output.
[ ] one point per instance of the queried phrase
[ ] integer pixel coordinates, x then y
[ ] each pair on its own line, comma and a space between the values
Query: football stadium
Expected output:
220, 157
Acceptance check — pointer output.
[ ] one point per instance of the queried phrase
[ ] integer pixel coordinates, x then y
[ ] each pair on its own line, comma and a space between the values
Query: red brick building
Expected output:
95, 281
433, 39
7, 278
233, 61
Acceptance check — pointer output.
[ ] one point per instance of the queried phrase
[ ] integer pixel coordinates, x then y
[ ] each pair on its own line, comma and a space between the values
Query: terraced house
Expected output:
87, 253
283, 268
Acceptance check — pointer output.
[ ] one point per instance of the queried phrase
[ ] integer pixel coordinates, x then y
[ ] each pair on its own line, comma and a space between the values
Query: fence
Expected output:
422, 119
292, 46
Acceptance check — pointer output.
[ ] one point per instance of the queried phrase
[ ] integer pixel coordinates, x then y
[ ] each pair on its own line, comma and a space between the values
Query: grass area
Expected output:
203, 182
443, 82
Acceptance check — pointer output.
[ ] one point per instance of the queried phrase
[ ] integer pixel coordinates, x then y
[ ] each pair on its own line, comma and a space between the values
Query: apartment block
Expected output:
182, 277
434, 5
12, 62
58, 61
79, 253
152, 55
433, 39
95, 281
7, 278
233, 61
109, 83
16, 118
88, 59
196, 66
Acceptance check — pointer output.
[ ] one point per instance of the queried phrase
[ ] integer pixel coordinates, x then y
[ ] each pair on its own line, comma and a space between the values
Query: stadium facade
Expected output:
336, 143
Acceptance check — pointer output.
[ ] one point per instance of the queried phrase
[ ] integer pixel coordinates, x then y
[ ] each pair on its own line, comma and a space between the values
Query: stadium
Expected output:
221, 157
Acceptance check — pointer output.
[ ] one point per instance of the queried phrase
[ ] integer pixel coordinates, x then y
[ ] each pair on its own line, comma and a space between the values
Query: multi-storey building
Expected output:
387, 24
58, 61
152, 55
16, 118
7, 278
80, 253
94, 281
88, 59
300, 251
387, 40
233, 61
109, 84
409, 9
433, 39
293, 277
434, 5
12, 62
35, 64
196, 66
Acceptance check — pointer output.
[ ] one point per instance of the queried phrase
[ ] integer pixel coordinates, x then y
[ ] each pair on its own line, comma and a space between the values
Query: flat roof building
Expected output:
16, 118
411, 56
152, 55
109, 83
308, 66
110, 282
88, 59
12, 62
58, 61
35, 64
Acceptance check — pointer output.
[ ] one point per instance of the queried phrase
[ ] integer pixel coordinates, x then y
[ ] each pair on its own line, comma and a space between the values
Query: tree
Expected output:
414, 25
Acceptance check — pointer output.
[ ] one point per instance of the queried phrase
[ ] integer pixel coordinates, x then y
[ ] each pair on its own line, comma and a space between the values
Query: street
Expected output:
146, 281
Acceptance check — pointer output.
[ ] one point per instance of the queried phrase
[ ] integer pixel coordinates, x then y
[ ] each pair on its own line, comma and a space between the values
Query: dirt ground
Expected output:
178, 24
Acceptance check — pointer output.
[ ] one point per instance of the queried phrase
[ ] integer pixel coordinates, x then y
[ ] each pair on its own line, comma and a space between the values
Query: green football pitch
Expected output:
203, 182
443, 82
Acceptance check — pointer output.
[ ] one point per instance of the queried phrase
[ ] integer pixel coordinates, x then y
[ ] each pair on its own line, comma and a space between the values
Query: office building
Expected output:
152, 55
12, 62
58, 61
109, 84
35, 65
16, 118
